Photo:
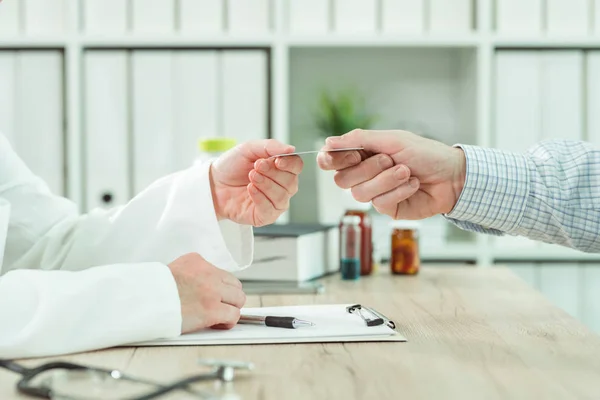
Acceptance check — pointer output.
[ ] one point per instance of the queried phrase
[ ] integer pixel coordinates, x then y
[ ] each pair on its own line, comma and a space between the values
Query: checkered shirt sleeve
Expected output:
550, 194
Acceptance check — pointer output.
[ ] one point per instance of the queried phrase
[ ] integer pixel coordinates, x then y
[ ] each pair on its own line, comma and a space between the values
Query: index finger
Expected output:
373, 142
335, 161
265, 148
369, 140
229, 279
292, 164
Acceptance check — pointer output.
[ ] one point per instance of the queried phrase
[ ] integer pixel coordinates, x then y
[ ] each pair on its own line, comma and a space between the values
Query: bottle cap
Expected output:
405, 225
216, 144
351, 220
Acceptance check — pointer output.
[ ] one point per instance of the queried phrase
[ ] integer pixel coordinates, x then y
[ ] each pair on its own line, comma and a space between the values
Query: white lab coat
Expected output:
71, 282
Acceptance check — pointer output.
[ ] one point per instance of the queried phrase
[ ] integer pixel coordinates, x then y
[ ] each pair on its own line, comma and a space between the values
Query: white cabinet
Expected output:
43, 17
403, 16
560, 284
153, 16
31, 111
568, 17
454, 16
196, 97
249, 16
355, 16
152, 117
519, 17
201, 16
592, 86
244, 95
146, 109
105, 16
562, 94
309, 16
590, 296
40, 115
10, 15
107, 163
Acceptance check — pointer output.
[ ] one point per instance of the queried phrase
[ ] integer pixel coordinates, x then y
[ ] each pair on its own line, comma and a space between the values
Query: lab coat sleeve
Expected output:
129, 295
170, 218
45, 313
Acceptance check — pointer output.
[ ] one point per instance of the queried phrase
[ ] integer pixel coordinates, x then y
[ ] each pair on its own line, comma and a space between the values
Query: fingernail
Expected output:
384, 162
401, 173
350, 157
258, 178
282, 162
414, 182
332, 139
264, 166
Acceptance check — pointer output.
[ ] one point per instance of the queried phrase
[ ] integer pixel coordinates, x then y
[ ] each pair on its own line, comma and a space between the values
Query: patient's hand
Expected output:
210, 297
252, 189
404, 175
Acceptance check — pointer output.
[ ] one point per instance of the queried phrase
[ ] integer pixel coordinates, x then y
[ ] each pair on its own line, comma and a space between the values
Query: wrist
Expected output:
214, 190
459, 175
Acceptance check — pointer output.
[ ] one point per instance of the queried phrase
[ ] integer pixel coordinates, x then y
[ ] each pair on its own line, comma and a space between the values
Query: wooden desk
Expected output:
473, 334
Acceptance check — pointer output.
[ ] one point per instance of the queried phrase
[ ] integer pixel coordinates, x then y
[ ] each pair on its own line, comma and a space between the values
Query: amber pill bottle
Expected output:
405, 254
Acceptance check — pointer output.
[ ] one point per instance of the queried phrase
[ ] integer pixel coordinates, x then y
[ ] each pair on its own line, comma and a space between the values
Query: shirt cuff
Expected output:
495, 191
225, 244
238, 242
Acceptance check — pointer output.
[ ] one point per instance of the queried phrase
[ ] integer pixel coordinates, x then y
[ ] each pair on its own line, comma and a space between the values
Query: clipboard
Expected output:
371, 316
333, 323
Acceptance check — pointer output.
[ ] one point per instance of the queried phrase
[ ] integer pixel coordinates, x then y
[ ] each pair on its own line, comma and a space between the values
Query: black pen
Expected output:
276, 322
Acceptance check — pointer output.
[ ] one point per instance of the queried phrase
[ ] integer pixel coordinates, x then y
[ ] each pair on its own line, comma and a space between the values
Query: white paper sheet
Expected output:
332, 324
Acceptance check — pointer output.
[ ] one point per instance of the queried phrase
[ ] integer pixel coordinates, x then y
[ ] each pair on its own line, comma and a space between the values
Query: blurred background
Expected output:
101, 97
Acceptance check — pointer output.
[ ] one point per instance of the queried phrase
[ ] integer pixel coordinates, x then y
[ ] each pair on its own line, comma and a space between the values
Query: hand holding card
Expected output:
299, 153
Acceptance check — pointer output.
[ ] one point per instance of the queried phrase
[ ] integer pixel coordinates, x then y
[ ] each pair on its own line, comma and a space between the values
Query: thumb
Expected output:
385, 142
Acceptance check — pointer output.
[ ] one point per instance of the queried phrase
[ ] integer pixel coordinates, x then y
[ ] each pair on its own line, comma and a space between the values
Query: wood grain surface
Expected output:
472, 334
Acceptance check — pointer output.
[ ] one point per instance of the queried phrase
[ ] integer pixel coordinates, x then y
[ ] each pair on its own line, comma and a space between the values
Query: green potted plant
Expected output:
342, 112
338, 113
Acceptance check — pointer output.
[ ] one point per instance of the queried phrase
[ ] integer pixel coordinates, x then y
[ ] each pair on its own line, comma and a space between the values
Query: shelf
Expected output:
541, 254
470, 252
449, 41
133, 41
300, 41
32, 42
169, 41
546, 42
450, 252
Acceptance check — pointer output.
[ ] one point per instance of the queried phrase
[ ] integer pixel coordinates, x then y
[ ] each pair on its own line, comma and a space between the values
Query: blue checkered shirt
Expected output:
550, 194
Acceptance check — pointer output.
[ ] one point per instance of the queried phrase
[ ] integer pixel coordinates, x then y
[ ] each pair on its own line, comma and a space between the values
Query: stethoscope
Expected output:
223, 372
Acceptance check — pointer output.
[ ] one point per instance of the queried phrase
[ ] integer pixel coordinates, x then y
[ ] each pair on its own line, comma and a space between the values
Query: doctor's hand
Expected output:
252, 189
209, 296
404, 175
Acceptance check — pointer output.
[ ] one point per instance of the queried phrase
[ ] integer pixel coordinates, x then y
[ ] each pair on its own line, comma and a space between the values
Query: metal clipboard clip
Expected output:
370, 316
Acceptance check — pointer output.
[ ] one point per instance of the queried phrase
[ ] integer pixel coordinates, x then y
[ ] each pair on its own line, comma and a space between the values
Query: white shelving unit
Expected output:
461, 64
